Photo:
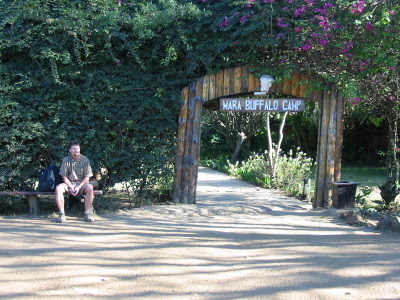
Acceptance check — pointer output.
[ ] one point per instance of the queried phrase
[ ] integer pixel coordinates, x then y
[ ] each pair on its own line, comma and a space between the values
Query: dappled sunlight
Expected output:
245, 247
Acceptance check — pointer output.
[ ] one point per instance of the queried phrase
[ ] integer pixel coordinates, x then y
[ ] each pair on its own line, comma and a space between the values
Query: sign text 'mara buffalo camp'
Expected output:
260, 105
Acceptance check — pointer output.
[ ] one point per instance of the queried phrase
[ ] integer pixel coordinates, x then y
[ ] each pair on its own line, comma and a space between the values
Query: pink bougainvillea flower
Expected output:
391, 98
321, 11
346, 46
279, 35
300, 11
368, 26
323, 42
328, 5
298, 29
391, 12
355, 101
358, 7
224, 23
306, 47
250, 3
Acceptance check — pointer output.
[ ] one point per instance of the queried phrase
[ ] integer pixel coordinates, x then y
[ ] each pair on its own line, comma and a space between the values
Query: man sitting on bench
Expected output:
75, 171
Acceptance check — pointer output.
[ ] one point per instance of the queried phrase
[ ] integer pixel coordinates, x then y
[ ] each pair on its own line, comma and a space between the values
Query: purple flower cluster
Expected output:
355, 101
300, 11
250, 3
225, 22
363, 65
358, 7
346, 46
281, 24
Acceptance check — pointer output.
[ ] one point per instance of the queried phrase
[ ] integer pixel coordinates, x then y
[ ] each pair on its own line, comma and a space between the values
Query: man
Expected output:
75, 171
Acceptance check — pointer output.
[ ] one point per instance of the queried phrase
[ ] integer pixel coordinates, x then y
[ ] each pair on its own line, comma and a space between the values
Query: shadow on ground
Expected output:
237, 242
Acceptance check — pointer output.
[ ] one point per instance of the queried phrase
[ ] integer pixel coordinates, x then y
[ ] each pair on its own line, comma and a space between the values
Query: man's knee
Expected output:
89, 189
60, 189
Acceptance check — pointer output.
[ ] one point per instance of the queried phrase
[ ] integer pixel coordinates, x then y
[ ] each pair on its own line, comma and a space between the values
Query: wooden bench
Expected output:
33, 198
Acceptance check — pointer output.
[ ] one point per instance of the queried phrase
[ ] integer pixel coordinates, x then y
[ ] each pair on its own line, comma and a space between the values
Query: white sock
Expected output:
86, 212
62, 212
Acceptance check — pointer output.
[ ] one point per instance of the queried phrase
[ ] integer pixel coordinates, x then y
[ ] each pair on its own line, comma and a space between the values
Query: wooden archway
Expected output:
237, 81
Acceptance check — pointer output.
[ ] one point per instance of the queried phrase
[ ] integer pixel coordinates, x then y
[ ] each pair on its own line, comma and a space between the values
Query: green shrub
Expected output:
291, 171
254, 170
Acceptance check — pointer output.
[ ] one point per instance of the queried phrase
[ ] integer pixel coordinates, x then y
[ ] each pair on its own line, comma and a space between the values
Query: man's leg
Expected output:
60, 189
89, 196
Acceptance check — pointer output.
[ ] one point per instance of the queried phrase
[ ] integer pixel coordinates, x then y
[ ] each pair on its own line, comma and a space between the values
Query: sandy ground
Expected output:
238, 242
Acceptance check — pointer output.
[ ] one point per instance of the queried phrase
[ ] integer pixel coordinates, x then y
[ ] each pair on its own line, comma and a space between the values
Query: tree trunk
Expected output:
391, 161
274, 150
278, 147
239, 142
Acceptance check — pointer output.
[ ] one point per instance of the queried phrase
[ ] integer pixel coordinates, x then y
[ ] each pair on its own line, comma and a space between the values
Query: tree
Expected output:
235, 127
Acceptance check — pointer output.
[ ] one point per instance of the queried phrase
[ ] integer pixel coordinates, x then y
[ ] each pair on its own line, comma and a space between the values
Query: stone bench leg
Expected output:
33, 205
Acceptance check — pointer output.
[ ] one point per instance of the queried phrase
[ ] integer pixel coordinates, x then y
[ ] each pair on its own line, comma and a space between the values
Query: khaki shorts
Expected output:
74, 184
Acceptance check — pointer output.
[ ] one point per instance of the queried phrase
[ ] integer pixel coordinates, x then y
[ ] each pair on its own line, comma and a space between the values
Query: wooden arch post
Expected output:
238, 81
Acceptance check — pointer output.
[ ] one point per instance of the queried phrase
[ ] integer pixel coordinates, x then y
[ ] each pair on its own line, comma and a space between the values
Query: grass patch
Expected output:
367, 176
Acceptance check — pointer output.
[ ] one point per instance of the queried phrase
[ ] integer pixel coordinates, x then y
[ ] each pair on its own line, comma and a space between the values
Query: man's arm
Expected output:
83, 182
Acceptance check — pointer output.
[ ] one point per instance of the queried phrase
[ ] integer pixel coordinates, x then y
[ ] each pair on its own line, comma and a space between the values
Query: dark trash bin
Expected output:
344, 193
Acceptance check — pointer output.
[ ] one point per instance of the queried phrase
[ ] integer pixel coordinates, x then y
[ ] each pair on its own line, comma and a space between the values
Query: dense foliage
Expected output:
109, 73
289, 174
105, 73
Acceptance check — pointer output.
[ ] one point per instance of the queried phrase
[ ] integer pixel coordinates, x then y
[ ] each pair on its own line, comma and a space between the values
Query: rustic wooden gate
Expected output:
237, 81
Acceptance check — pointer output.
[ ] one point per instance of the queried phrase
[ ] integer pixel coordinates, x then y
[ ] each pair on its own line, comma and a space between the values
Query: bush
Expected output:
291, 171
254, 170
78, 70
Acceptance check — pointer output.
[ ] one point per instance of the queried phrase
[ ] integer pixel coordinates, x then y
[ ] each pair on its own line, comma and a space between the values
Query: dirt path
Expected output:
238, 242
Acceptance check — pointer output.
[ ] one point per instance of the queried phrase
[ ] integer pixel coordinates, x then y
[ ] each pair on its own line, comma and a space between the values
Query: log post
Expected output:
187, 155
182, 123
331, 148
322, 150
339, 137
195, 141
